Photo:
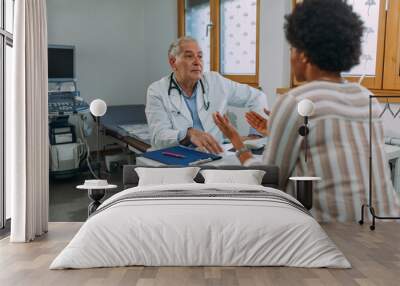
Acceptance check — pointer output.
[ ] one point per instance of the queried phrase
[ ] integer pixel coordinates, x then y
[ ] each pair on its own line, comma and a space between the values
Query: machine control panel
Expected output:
66, 103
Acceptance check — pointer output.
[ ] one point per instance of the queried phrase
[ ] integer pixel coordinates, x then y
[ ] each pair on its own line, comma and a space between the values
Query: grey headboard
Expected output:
270, 179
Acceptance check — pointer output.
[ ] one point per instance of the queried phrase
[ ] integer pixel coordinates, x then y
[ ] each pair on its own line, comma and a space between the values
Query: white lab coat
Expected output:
168, 114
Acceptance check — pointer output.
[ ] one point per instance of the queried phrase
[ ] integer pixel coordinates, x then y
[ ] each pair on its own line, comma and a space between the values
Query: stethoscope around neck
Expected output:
174, 85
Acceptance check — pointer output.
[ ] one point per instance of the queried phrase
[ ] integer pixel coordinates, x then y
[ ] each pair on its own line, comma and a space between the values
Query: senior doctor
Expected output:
179, 107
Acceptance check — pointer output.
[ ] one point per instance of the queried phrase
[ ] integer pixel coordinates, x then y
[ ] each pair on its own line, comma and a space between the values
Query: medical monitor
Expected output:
61, 63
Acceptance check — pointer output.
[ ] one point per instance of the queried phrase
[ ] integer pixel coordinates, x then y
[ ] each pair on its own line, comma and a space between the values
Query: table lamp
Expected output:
98, 108
305, 108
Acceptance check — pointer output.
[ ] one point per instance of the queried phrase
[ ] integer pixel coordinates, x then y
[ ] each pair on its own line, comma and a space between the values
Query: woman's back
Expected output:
338, 150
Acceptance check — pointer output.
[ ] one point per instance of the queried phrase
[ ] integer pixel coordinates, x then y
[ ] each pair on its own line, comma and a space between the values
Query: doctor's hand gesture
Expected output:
203, 140
258, 122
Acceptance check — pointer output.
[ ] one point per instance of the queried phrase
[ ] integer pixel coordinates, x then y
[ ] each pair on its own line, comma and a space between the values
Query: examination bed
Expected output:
123, 115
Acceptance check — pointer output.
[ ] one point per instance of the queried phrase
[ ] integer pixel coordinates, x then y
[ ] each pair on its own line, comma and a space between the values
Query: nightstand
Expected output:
96, 190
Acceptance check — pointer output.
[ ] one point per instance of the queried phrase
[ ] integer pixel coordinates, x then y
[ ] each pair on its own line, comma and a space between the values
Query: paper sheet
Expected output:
139, 130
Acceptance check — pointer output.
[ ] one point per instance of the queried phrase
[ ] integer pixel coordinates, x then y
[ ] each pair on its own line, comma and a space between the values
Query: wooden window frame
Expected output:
252, 79
375, 82
392, 50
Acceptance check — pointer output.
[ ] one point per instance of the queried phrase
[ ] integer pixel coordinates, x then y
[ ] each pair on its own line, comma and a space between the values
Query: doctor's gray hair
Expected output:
175, 48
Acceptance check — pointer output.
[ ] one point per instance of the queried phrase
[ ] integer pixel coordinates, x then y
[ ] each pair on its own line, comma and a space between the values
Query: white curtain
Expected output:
26, 124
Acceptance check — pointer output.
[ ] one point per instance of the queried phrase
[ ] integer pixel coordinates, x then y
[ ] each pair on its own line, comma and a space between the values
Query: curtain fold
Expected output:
27, 155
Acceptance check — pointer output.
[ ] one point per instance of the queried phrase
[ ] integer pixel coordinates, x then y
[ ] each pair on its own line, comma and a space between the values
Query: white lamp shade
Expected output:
98, 107
305, 107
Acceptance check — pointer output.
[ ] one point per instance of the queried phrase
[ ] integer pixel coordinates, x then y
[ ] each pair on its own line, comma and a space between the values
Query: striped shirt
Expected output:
338, 150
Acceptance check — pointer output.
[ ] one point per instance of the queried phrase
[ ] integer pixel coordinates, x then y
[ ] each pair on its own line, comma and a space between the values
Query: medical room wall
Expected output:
121, 45
161, 28
119, 49
274, 62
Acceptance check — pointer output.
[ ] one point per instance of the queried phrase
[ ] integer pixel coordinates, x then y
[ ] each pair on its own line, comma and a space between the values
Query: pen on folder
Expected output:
201, 161
171, 154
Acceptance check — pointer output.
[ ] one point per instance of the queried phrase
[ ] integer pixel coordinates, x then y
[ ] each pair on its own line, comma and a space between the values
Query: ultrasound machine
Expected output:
69, 114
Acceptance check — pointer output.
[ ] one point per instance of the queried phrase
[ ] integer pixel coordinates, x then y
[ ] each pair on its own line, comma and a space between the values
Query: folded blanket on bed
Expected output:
205, 194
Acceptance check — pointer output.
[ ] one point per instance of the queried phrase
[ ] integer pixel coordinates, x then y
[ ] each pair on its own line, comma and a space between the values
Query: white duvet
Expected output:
200, 231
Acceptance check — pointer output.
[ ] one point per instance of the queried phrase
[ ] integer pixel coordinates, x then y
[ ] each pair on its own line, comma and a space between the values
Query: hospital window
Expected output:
228, 33
6, 60
380, 59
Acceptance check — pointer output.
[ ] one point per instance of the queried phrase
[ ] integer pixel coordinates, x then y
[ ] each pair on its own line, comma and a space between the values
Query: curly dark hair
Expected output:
328, 32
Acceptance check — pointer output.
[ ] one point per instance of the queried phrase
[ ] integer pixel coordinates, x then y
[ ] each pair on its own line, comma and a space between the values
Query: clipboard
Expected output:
187, 156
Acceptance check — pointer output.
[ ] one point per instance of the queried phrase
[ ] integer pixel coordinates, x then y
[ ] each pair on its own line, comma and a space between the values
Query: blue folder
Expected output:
189, 156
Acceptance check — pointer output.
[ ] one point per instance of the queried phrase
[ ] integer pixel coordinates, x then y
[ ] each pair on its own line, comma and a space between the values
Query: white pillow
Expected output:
166, 176
248, 177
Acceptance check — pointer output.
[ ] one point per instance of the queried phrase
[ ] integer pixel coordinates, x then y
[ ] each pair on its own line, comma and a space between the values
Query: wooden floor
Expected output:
375, 257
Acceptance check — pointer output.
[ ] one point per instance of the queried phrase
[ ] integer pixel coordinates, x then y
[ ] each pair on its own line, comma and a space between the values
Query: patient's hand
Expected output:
258, 122
226, 127
232, 134
203, 140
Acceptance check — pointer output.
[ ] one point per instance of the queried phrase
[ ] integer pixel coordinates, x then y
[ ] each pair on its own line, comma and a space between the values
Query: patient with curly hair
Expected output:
325, 39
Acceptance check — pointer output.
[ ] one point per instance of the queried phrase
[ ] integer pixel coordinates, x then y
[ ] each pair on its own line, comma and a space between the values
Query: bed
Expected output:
197, 224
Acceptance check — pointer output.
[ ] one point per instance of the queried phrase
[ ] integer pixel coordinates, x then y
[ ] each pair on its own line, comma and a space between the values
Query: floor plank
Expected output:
374, 255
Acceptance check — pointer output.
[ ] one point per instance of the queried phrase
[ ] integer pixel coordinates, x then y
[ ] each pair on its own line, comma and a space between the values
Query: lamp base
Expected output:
304, 190
304, 193
95, 196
